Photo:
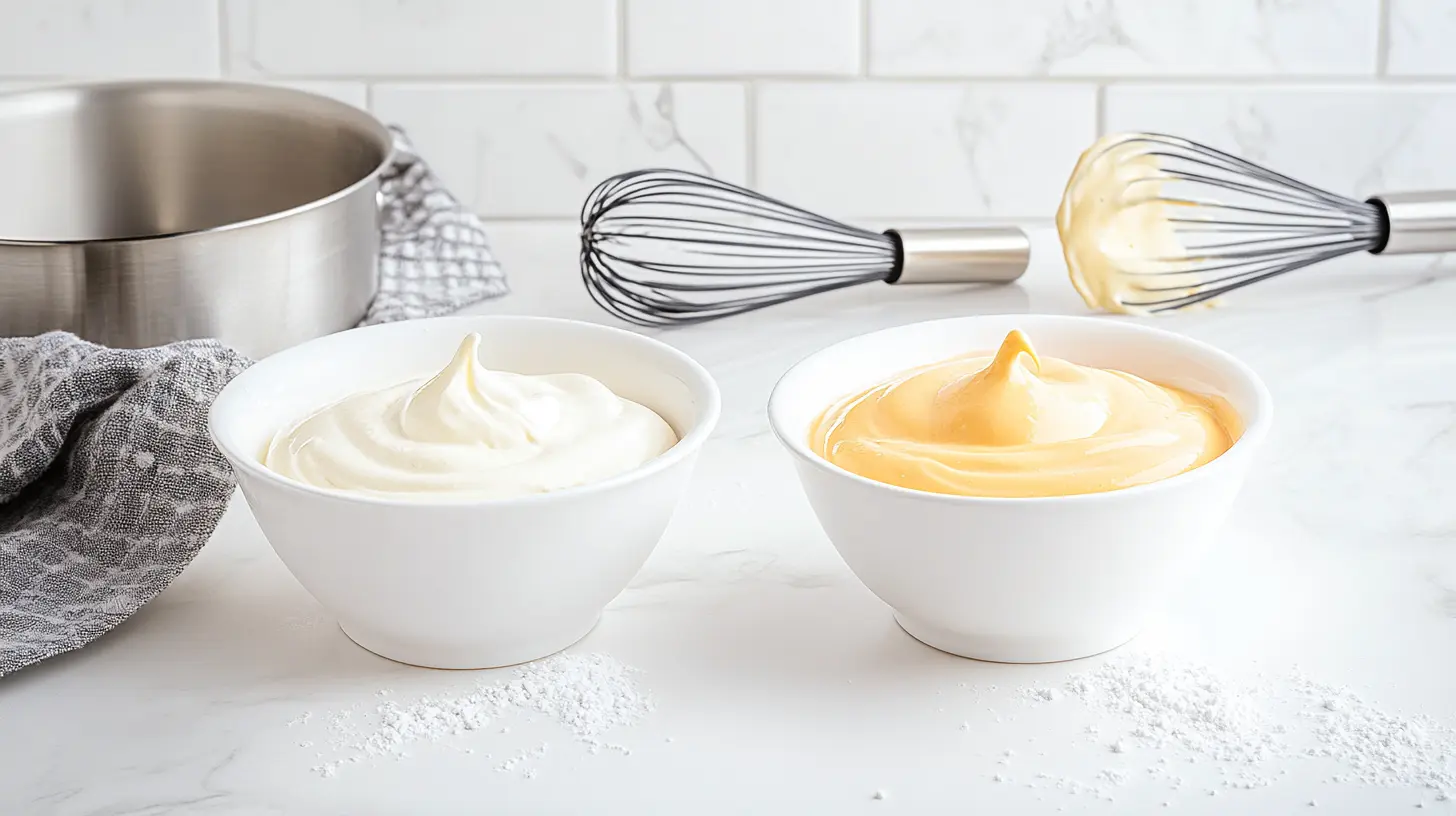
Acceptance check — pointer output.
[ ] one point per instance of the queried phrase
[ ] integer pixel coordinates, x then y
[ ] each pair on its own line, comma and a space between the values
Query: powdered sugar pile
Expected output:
588, 694
1185, 710
1179, 705
1374, 746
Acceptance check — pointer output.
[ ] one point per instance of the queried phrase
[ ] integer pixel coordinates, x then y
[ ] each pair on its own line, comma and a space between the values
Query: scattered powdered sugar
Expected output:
1179, 710
1173, 704
1041, 694
525, 756
1374, 746
587, 694
1113, 775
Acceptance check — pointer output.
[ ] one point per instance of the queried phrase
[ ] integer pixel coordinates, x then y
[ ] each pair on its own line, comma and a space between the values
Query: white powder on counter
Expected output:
1183, 705
1186, 713
587, 694
1375, 747
1113, 775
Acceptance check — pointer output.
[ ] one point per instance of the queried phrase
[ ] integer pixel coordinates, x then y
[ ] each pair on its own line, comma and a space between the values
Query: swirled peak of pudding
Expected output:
472, 432
1015, 424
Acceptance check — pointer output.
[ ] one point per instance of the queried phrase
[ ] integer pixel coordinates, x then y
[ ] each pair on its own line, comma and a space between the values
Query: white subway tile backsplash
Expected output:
543, 261
1356, 140
516, 151
92, 38
1124, 38
922, 150
878, 111
332, 38
721, 37
1421, 36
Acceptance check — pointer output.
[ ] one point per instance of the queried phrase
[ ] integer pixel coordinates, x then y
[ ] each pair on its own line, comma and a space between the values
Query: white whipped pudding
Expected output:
471, 432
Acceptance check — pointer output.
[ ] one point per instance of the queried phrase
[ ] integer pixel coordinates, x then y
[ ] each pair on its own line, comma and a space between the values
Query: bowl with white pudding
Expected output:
1021, 488
466, 492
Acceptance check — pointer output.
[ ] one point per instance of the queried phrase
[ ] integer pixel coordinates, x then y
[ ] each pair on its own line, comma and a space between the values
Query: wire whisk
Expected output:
1188, 223
661, 247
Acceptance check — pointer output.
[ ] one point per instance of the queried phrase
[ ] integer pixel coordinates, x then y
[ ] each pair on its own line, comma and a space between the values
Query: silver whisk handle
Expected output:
961, 255
1418, 222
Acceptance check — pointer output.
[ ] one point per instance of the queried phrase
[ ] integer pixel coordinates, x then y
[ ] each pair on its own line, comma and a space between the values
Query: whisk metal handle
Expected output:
1417, 222
960, 255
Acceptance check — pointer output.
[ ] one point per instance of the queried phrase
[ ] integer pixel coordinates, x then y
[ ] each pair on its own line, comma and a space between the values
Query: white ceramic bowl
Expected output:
1020, 580
465, 583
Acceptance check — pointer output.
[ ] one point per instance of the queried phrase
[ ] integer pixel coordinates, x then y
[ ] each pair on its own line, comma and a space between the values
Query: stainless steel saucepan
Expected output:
138, 213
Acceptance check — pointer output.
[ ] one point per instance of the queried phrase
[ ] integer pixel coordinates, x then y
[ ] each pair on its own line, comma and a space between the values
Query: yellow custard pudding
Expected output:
1017, 425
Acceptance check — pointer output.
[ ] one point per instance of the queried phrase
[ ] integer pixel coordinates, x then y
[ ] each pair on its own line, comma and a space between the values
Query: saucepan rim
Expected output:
366, 121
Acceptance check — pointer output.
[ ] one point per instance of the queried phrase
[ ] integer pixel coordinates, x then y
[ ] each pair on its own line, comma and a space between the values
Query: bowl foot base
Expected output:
995, 649
485, 655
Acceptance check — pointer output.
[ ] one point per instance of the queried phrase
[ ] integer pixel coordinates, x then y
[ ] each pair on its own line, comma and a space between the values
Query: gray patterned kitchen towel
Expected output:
109, 484
434, 258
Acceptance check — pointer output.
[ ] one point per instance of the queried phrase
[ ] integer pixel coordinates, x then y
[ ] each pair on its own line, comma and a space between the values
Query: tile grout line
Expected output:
621, 32
864, 38
1382, 40
1340, 82
1434, 82
224, 57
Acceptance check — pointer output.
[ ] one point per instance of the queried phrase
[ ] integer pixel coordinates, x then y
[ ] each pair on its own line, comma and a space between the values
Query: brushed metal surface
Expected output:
962, 255
138, 213
1418, 221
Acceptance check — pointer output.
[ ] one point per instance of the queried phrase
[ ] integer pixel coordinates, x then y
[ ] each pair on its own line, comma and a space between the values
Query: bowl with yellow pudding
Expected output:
466, 492
1021, 488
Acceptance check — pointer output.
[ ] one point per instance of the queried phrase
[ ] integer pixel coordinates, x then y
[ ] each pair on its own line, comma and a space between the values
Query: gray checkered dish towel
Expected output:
109, 485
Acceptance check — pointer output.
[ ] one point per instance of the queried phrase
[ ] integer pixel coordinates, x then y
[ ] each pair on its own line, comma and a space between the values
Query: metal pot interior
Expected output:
145, 159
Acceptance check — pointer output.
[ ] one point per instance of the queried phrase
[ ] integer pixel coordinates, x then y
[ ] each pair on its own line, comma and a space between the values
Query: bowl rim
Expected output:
1252, 436
686, 446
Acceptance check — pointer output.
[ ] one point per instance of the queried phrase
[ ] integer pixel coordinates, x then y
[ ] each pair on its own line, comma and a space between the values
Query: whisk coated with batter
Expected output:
661, 247
1151, 223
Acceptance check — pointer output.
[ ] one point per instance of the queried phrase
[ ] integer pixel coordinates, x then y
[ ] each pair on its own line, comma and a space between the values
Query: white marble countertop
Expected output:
781, 684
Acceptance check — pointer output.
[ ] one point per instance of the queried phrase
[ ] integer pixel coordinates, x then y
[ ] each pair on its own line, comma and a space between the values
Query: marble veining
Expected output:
923, 150
1421, 33
1126, 38
1388, 141
975, 123
1077, 29
514, 151
662, 132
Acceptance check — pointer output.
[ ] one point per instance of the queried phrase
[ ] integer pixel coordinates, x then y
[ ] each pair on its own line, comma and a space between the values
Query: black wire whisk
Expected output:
662, 247
1235, 223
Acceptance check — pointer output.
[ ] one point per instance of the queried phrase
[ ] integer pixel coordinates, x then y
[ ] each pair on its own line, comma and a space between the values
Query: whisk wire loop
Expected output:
1235, 223
661, 247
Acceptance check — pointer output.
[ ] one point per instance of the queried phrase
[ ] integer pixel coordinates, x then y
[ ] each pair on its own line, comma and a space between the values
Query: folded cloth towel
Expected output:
109, 484
434, 257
